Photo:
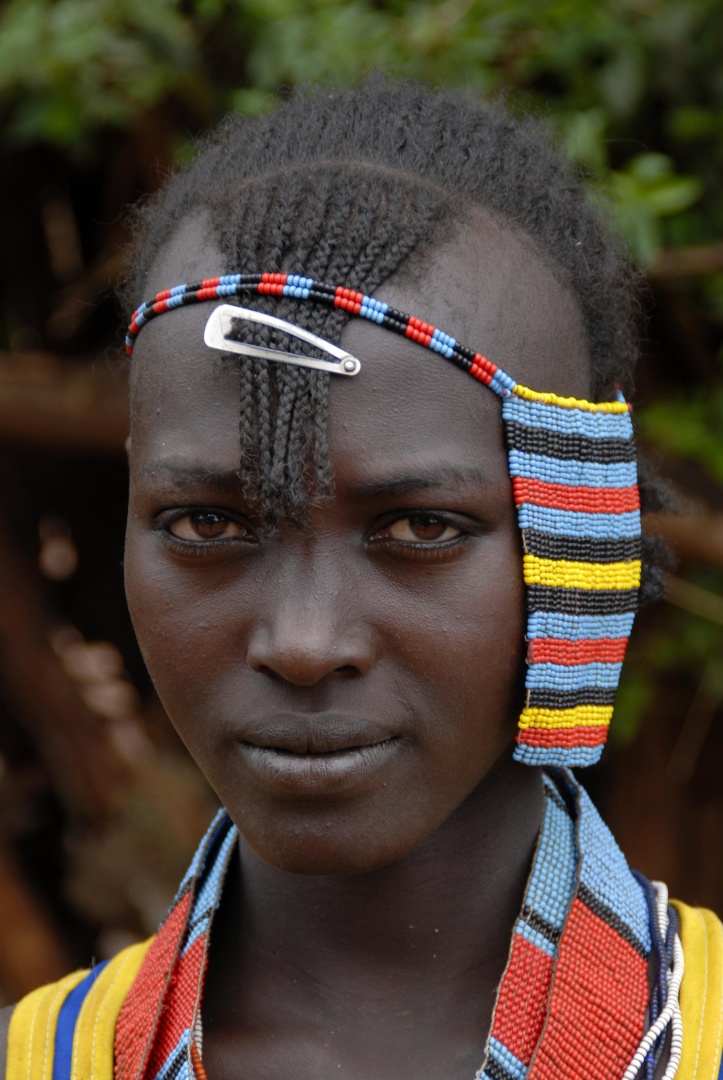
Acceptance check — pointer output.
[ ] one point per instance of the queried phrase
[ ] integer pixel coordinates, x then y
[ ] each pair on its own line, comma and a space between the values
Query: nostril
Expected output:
264, 669
346, 671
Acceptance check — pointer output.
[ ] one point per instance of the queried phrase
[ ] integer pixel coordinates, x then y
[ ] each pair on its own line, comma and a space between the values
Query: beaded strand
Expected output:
671, 1014
350, 300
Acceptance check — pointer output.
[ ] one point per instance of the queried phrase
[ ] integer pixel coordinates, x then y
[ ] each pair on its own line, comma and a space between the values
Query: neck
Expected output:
442, 915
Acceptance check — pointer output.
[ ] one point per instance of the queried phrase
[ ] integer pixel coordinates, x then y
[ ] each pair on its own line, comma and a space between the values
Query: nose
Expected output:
310, 633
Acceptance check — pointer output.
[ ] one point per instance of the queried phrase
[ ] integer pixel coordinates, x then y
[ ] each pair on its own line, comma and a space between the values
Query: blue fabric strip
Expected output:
65, 1027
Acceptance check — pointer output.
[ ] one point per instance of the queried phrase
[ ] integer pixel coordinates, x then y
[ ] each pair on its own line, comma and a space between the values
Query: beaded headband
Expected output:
574, 482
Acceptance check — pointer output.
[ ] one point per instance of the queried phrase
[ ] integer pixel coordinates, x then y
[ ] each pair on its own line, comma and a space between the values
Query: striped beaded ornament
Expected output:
158, 1032
572, 1001
574, 479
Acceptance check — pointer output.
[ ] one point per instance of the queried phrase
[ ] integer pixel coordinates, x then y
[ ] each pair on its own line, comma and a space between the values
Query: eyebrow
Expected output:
435, 477
182, 473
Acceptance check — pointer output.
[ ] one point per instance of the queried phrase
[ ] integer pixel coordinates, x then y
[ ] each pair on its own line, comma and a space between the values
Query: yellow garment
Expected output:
701, 993
31, 1036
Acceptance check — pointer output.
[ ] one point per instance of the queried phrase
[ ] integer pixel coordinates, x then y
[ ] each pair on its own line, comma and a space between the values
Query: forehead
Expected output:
486, 286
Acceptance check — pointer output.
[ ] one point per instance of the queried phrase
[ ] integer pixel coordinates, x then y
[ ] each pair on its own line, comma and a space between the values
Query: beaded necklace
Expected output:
574, 482
572, 1003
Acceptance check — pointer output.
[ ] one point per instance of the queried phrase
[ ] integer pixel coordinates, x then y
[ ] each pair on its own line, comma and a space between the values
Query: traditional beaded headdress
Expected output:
574, 481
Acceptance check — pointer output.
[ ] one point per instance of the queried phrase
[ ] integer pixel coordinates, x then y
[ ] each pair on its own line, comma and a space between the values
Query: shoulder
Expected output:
68, 1027
701, 993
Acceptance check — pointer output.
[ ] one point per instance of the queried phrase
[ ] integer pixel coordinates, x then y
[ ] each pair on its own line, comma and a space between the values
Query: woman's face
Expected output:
346, 688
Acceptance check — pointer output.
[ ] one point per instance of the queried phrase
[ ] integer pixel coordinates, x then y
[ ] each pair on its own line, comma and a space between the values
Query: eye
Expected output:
202, 526
420, 529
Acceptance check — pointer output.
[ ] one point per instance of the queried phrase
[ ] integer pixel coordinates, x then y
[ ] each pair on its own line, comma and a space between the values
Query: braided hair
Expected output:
345, 186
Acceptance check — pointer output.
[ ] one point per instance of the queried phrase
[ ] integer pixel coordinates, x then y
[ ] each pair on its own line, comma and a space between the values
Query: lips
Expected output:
323, 754
325, 733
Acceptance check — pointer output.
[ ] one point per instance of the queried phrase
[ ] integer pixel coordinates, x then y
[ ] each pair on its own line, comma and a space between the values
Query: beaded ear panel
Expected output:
574, 481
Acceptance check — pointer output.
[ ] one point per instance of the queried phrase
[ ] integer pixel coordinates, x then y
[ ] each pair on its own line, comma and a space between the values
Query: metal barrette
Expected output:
219, 329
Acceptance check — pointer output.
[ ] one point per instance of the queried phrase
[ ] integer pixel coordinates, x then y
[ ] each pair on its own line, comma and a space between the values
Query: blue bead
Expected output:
557, 418
578, 523
567, 756
575, 677
572, 473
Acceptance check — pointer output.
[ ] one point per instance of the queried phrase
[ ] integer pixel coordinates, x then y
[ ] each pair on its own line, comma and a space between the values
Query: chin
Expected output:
326, 850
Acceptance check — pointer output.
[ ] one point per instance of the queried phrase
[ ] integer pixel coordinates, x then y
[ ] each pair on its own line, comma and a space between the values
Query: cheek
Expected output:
470, 645
177, 623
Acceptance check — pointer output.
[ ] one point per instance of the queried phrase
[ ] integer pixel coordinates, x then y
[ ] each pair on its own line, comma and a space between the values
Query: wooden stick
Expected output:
688, 261
73, 742
63, 404
695, 537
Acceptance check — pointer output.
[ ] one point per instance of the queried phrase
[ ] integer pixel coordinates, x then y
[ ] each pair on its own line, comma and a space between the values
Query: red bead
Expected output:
563, 737
587, 651
585, 499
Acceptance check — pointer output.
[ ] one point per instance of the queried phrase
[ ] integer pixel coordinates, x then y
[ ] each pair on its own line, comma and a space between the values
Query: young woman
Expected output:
383, 582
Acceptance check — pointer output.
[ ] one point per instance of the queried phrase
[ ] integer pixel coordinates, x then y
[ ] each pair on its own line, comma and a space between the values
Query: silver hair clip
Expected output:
219, 328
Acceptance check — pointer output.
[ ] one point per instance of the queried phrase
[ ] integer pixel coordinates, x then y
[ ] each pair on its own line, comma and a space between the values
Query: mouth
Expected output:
322, 754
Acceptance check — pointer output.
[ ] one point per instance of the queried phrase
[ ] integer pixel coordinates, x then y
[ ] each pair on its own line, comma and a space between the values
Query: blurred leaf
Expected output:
583, 134
645, 191
695, 123
690, 428
633, 699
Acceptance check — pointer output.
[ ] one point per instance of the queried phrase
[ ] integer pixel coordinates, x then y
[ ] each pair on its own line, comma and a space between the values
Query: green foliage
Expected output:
689, 427
634, 87
67, 68
645, 192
